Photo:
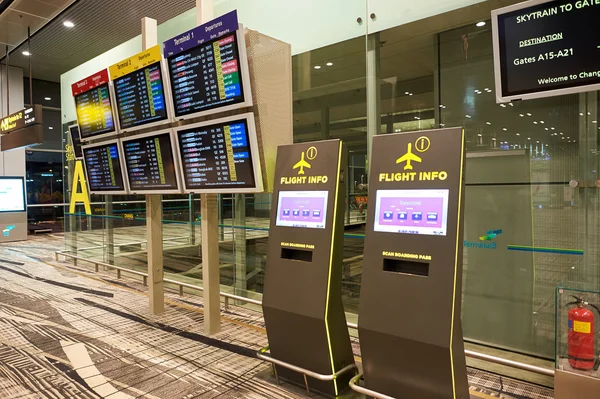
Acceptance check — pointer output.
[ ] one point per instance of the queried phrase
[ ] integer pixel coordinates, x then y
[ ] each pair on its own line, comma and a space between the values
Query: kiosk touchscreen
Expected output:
410, 301
302, 302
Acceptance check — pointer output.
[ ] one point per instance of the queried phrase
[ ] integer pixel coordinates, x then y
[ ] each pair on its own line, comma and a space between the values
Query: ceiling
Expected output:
99, 26
16, 16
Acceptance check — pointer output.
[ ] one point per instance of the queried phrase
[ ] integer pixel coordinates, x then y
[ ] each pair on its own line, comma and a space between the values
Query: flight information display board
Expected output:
141, 98
307, 209
546, 48
412, 211
104, 168
208, 70
220, 155
150, 163
93, 106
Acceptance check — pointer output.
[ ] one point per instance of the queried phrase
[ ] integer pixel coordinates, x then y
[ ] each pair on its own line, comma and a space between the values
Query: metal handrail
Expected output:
228, 296
357, 388
262, 355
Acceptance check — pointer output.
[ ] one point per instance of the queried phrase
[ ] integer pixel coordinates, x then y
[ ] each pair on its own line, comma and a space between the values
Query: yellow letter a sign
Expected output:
79, 177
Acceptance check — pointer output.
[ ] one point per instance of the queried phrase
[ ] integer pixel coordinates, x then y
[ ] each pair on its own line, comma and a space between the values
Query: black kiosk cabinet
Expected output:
409, 316
302, 301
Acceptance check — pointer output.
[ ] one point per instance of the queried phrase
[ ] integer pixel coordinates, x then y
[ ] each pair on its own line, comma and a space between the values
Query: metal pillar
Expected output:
210, 229
156, 289
109, 248
192, 213
239, 245
373, 92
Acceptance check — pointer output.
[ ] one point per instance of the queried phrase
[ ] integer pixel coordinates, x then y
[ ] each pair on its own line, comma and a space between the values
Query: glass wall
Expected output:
531, 174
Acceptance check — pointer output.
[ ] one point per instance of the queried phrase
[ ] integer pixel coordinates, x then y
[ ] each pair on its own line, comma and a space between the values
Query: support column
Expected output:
373, 92
210, 229
192, 213
239, 245
109, 247
154, 233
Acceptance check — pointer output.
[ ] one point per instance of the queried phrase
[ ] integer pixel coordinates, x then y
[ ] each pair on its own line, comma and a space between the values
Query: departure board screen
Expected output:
548, 46
94, 112
103, 167
150, 163
217, 156
141, 97
207, 76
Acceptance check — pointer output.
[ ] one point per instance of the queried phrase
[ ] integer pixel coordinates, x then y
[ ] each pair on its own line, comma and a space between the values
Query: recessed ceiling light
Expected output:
68, 24
410, 94
480, 24
488, 123
47, 98
535, 123
317, 66
528, 138
329, 64
552, 128
50, 127
505, 129
546, 128
518, 134
511, 104
26, 53
562, 138
467, 116
479, 135
528, 114
493, 139
503, 105
537, 142
416, 117
521, 115
407, 92
542, 122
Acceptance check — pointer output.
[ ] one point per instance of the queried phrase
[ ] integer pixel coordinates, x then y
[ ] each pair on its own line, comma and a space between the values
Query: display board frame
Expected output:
111, 96
500, 97
244, 79
174, 153
116, 141
69, 127
254, 156
166, 92
22, 178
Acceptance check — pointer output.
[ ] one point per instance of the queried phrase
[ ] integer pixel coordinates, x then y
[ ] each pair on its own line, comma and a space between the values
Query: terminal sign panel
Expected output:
220, 155
206, 77
150, 163
140, 90
103, 167
93, 105
546, 49
208, 68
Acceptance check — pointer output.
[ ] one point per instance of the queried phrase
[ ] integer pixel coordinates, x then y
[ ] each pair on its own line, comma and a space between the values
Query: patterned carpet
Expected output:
66, 332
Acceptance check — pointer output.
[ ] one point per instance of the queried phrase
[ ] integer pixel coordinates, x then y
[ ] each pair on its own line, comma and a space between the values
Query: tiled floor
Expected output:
66, 332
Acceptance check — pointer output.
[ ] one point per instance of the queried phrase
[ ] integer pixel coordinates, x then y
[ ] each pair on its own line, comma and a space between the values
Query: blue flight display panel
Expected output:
141, 97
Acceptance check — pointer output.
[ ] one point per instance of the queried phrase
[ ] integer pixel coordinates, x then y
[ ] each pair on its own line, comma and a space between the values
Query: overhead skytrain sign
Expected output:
546, 48
22, 129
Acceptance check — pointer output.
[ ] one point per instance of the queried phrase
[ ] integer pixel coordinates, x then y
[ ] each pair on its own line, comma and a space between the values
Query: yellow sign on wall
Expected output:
76, 196
138, 61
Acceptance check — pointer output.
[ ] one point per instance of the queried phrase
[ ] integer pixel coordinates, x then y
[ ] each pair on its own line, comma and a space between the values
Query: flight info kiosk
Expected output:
409, 317
302, 301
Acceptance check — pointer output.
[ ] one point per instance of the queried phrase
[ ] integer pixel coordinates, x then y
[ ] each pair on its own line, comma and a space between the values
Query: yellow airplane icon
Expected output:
302, 164
408, 158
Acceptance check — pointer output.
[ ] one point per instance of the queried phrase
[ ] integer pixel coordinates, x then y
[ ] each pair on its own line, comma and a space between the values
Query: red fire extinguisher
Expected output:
582, 343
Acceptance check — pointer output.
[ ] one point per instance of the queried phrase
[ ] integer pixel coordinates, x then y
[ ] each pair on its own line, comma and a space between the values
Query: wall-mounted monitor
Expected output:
94, 107
76, 140
220, 155
151, 163
141, 98
12, 194
209, 76
546, 48
104, 168
412, 211
305, 209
